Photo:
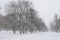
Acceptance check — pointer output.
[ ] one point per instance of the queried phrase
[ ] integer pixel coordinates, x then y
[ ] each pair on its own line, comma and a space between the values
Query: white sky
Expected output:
45, 8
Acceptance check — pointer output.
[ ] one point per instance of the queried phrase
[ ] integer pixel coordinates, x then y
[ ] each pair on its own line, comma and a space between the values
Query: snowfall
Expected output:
4, 35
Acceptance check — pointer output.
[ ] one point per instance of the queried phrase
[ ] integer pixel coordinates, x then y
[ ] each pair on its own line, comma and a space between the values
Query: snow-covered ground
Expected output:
34, 36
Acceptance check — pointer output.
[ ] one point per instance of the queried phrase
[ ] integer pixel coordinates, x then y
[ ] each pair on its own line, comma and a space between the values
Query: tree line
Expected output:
21, 16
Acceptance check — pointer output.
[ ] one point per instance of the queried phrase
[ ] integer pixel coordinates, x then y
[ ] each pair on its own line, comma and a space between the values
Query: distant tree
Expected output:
56, 23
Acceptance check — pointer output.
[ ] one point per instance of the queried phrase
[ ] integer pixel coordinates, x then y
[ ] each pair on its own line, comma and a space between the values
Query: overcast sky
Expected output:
45, 8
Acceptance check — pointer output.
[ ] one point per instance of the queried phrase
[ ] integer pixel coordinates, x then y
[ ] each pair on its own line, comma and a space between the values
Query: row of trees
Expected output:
21, 16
